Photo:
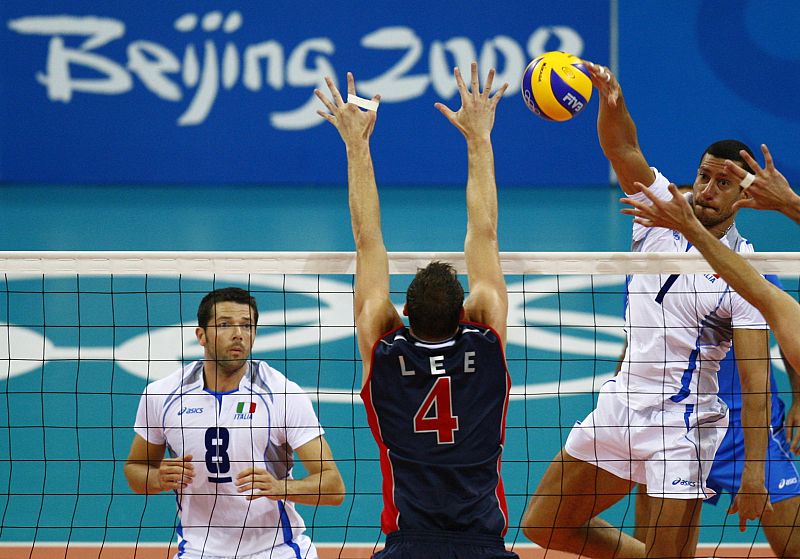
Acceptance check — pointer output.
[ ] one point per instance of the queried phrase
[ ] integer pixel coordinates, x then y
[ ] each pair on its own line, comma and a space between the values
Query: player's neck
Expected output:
721, 229
218, 380
428, 340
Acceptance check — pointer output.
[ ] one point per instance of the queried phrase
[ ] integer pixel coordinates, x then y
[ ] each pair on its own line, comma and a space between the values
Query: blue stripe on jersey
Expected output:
182, 545
687, 414
664, 288
686, 379
287, 530
670, 281
628, 279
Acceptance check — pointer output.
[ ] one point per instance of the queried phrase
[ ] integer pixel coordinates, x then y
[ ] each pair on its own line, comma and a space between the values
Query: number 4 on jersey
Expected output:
441, 420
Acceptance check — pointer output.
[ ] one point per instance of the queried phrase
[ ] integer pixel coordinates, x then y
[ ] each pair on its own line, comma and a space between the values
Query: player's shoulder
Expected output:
659, 187
656, 239
737, 242
269, 380
186, 379
395, 336
476, 331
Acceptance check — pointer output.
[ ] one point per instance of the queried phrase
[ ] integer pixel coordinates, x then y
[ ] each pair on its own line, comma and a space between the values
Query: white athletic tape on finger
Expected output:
747, 180
368, 104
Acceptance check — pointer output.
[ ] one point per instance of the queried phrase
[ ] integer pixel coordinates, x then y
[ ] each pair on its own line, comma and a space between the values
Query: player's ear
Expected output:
201, 336
405, 309
462, 314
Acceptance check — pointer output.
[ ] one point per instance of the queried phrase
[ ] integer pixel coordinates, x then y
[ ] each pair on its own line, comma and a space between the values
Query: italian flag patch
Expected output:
249, 406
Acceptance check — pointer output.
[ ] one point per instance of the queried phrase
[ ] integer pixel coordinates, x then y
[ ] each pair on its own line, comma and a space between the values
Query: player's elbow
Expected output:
131, 476
484, 230
541, 536
537, 528
368, 238
336, 492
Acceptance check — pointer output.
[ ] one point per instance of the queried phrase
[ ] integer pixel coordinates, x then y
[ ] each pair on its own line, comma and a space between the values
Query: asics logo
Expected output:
684, 482
784, 482
190, 410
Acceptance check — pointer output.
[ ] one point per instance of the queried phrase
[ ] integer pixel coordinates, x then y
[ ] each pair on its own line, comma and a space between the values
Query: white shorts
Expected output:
669, 449
301, 548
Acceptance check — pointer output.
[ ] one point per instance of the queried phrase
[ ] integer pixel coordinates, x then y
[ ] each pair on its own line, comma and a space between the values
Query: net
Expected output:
81, 334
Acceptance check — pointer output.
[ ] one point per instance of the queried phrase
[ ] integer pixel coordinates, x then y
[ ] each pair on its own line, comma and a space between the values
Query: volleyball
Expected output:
556, 86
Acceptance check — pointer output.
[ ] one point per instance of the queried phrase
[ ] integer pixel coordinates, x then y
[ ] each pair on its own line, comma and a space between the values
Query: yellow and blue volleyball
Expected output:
556, 86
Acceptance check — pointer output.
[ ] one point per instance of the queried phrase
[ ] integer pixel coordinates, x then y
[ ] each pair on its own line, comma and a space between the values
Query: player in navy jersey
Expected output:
436, 391
232, 426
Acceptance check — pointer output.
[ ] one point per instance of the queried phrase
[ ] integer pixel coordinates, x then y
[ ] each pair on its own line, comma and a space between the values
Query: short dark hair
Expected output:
434, 301
226, 294
729, 149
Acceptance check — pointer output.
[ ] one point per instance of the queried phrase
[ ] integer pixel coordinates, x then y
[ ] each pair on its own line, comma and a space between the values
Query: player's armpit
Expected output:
375, 318
488, 304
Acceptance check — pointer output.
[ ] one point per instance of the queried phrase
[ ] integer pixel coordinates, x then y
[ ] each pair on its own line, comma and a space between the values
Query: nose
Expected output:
709, 189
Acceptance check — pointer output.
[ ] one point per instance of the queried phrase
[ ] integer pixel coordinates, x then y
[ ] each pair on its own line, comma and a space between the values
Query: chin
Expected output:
706, 218
232, 366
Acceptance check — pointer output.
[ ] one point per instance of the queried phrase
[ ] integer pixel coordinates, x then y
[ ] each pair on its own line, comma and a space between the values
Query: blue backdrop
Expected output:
170, 92
693, 71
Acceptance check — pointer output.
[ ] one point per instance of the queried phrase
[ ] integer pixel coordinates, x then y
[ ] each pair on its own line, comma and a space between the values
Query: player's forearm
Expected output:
756, 413
792, 208
794, 378
755, 418
323, 488
616, 131
481, 186
363, 195
142, 478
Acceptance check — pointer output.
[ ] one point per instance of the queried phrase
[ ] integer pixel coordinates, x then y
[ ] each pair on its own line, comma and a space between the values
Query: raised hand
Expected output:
475, 118
674, 214
353, 123
604, 82
175, 474
769, 189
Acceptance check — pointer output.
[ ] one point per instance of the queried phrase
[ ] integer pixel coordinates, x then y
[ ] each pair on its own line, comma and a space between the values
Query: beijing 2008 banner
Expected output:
222, 92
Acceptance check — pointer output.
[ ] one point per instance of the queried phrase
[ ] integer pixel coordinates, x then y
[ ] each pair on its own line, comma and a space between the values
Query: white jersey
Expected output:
257, 425
678, 326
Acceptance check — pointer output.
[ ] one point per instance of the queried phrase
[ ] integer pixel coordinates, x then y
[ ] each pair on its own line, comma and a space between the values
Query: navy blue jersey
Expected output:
437, 411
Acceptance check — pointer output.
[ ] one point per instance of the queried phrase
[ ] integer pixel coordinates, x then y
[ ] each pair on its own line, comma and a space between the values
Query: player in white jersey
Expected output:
231, 426
781, 311
659, 422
